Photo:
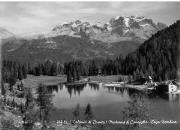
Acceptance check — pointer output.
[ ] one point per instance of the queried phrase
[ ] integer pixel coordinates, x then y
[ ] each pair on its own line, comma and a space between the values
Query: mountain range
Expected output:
81, 40
117, 29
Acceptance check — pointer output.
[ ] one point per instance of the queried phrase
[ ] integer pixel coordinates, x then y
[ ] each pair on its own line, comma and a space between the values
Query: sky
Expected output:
38, 17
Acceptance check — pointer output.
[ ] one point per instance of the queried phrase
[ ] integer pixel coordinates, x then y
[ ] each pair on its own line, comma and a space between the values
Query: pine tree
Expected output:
20, 73
44, 101
137, 110
76, 112
24, 71
88, 112
12, 81
54, 69
29, 115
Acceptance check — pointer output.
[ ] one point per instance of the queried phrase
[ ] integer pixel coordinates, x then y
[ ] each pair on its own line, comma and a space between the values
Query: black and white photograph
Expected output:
89, 65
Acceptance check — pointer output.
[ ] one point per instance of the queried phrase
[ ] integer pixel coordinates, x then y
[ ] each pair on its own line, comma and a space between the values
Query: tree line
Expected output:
48, 67
75, 69
14, 70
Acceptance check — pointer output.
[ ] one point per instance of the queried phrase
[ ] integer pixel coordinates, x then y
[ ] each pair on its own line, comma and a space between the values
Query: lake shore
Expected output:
32, 81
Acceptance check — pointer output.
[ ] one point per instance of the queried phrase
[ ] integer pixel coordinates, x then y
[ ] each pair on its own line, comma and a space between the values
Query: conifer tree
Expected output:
88, 112
76, 112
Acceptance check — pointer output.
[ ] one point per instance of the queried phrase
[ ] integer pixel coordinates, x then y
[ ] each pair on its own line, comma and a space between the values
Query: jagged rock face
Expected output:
117, 29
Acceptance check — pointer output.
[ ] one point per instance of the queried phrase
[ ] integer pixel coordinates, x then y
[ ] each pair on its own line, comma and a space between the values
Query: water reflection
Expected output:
162, 95
72, 89
53, 88
94, 86
75, 88
61, 86
108, 102
78, 88
173, 97
123, 90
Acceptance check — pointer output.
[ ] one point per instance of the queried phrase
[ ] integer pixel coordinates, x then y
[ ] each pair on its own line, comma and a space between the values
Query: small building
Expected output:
172, 87
168, 87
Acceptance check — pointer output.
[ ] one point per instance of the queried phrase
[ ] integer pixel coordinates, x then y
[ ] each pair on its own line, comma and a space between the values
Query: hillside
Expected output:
158, 56
64, 48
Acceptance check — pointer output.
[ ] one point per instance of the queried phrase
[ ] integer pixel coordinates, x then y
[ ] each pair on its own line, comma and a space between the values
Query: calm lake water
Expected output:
108, 103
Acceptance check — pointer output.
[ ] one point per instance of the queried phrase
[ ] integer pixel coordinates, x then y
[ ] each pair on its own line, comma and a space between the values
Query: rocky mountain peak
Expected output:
77, 22
120, 28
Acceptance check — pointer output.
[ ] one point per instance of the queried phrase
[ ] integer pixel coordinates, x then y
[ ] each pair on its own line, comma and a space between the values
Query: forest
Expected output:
15, 70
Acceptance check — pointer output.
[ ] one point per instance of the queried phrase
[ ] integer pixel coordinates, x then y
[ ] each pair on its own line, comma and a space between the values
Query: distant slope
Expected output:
64, 48
159, 56
4, 34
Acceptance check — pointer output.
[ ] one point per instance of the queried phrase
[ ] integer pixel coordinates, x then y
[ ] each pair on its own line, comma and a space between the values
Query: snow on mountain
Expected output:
120, 28
126, 20
134, 27
117, 29
117, 17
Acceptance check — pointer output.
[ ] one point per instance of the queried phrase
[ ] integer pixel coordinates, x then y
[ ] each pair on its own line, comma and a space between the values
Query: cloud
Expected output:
2, 8
78, 11
42, 13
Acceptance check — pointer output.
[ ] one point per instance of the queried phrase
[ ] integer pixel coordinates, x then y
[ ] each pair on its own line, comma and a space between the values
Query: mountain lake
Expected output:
108, 103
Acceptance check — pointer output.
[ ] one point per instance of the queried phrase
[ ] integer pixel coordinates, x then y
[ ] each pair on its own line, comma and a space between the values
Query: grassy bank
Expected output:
33, 81
106, 79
